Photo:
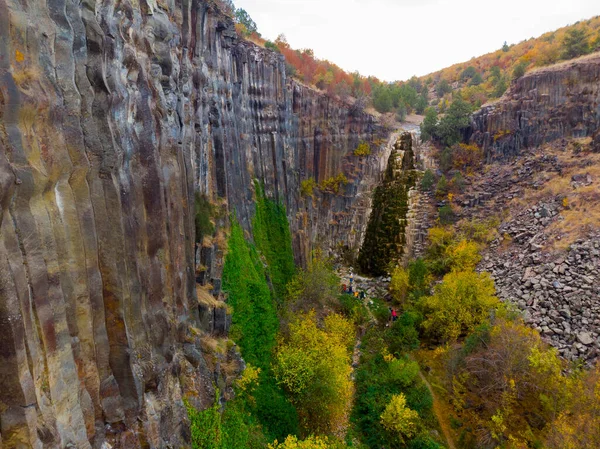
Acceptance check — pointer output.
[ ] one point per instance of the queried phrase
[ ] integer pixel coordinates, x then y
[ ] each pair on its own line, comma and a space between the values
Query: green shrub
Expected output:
446, 160
427, 181
271, 46
441, 189
334, 184
403, 335
380, 310
207, 432
363, 149
254, 319
274, 241
273, 409
307, 187
203, 214
316, 287
234, 428
424, 442
458, 182
354, 309
456, 120
378, 379
446, 214
429, 125
418, 279
519, 70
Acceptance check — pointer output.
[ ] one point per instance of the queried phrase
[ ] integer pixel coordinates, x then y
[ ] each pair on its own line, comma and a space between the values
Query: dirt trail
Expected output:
438, 414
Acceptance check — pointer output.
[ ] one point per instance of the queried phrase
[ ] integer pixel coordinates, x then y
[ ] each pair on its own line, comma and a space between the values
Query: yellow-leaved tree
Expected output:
313, 366
397, 418
460, 303
312, 442
578, 427
463, 255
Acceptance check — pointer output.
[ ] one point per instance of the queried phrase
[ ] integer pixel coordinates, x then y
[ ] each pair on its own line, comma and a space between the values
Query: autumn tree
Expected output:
315, 287
460, 303
466, 157
578, 426
312, 442
400, 420
313, 366
508, 384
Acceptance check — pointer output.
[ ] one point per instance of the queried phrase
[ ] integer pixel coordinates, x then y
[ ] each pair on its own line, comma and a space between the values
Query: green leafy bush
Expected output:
254, 318
203, 214
316, 287
403, 335
446, 214
307, 187
334, 184
273, 409
363, 149
379, 378
274, 241
271, 46
427, 181
441, 189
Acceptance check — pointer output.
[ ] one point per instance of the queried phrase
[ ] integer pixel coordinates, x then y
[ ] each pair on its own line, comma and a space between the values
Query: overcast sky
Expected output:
395, 39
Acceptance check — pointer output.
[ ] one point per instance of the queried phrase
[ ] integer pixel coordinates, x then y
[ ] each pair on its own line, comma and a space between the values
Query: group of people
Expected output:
349, 289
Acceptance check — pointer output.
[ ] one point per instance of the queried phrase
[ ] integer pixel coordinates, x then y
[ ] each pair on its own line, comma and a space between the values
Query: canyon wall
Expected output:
113, 116
544, 105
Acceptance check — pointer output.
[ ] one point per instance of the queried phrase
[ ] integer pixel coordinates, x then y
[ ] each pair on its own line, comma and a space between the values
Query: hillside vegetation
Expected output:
487, 77
476, 81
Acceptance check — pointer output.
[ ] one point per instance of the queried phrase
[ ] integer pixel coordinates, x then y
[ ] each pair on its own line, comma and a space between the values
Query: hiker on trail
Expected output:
344, 288
356, 294
362, 295
394, 315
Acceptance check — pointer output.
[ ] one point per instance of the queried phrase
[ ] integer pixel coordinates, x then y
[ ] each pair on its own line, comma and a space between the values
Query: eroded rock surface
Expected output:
112, 116
542, 106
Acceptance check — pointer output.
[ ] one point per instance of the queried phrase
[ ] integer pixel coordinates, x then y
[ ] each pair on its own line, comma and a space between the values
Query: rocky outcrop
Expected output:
546, 104
112, 117
555, 288
558, 293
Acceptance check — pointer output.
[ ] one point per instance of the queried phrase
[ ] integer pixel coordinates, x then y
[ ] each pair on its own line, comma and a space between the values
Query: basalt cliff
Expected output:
114, 118
560, 101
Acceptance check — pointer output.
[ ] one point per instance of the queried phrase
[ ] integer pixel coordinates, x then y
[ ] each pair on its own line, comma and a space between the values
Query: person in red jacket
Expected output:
394, 315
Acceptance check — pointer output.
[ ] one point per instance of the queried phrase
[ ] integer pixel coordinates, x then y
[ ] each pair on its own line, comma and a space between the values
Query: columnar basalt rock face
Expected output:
112, 116
544, 105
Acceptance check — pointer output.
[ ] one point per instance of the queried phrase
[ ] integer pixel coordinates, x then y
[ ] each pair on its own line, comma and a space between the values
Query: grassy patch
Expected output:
274, 241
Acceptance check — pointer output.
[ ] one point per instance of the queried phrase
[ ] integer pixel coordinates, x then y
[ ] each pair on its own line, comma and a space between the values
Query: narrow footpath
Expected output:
438, 414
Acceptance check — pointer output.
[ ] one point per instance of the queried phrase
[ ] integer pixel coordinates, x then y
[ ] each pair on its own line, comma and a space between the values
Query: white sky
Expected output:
395, 39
